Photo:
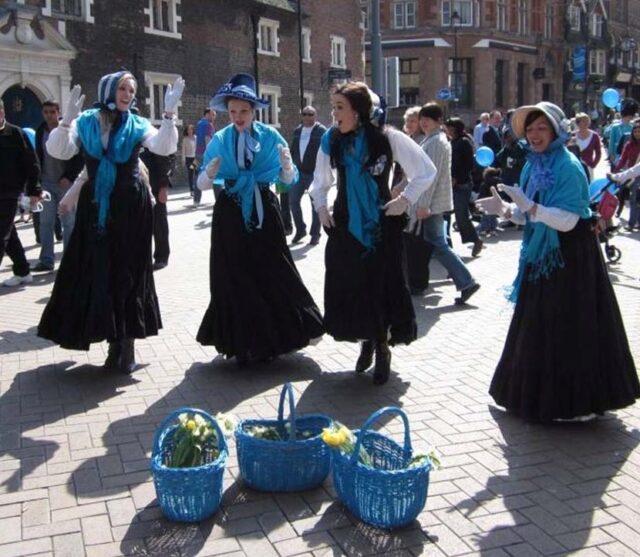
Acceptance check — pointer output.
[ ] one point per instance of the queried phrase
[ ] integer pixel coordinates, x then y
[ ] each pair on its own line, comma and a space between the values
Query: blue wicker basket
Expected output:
187, 494
279, 466
388, 495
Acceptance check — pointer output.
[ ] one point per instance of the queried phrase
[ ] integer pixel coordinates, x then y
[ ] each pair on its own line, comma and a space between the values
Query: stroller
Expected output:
603, 202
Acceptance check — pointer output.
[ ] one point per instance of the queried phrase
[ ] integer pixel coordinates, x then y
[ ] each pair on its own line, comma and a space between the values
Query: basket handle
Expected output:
222, 442
408, 450
287, 390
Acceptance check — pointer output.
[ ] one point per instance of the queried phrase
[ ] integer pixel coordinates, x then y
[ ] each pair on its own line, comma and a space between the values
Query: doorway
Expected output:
22, 107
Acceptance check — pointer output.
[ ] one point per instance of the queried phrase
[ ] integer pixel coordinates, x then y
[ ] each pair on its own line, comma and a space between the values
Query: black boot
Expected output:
113, 355
128, 356
366, 356
383, 364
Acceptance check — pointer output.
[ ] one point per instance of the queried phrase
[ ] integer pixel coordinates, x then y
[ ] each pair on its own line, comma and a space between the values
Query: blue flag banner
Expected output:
579, 63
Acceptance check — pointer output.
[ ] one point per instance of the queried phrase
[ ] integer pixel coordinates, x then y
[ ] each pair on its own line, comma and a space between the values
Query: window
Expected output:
501, 15
523, 17
521, 83
409, 81
597, 62
156, 83
307, 98
465, 9
163, 18
548, 21
596, 25
66, 8
306, 44
271, 114
574, 18
268, 37
338, 52
460, 81
501, 82
366, 16
404, 15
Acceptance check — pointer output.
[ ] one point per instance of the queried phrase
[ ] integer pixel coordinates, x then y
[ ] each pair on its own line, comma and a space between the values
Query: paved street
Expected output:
75, 440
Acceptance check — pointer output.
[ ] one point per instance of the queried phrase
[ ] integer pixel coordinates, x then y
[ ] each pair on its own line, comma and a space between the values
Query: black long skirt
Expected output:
104, 288
366, 295
567, 353
259, 306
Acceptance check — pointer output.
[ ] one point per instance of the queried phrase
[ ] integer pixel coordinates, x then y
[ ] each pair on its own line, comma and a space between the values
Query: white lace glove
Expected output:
213, 167
286, 163
74, 106
517, 196
325, 217
493, 205
172, 96
396, 206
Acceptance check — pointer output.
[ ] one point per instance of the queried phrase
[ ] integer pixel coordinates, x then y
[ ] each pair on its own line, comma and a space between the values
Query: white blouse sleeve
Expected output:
417, 165
73, 193
554, 217
628, 174
164, 141
324, 177
63, 142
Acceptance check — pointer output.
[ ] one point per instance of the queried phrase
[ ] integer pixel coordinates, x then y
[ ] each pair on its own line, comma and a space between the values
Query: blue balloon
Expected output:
610, 98
598, 186
484, 156
31, 134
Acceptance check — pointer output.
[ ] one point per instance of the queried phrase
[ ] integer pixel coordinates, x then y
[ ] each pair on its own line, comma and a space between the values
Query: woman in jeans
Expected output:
461, 166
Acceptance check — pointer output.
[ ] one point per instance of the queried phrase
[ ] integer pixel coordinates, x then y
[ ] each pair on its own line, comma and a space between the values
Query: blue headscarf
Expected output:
363, 194
260, 148
554, 179
107, 88
122, 140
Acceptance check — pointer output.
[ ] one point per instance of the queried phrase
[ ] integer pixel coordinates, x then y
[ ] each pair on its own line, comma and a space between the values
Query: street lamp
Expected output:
454, 20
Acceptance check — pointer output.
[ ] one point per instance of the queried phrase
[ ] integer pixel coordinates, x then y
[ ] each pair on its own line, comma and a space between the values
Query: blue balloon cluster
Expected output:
610, 98
484, 156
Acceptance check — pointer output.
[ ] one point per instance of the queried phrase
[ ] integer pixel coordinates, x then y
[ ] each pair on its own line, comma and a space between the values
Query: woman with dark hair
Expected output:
566, 355
189, 153
366, 295
630, 157
259, 306
104, 289
461, 167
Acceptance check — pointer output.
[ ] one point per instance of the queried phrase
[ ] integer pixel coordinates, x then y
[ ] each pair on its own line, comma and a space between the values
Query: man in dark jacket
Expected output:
56, 178
19, 166
492, 138
304, 149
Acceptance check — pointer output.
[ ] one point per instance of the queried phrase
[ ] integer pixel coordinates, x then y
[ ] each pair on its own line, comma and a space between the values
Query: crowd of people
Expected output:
107, 172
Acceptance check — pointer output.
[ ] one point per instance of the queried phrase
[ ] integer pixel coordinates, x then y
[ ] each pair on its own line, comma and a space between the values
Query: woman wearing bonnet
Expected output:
566, 356
104, 289
366, 294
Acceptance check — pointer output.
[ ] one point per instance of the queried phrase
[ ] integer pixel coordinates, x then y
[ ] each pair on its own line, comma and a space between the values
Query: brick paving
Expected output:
75, 440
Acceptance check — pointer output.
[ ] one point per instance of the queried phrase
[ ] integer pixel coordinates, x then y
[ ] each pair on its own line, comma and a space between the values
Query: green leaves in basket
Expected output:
340, 437
420, 458
271, 433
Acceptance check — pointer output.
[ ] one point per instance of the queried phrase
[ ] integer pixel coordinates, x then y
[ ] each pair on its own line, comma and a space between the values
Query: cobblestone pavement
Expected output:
75, 440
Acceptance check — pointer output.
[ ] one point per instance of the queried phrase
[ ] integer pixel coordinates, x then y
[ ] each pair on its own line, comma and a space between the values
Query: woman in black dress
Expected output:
104, 289
259, 306
366, 294
566, 355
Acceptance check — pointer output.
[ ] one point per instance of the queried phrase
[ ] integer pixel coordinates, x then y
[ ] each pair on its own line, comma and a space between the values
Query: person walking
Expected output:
189, 155
366, 294
19, 168
304, 151
566, 356
205, 130
630, 157
104, 289
492, 137
259, 306
588, 142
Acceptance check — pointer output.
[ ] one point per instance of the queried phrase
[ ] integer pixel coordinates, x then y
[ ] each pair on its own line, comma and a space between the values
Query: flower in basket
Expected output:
195, 441
431, 455
340, 437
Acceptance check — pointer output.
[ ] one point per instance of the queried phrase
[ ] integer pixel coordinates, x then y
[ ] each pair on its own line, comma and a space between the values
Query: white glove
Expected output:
173, 95
613, 177
285, 157
325, 217
493, 205
517, 196
74, 106
396, 206
213, 167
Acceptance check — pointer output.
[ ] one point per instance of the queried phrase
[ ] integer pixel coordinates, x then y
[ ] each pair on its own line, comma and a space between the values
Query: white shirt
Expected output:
583, 143
305, 137
417, 166
188, 147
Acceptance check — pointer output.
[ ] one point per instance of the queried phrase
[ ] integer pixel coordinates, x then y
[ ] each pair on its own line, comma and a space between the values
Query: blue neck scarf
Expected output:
122, 140
554, 179
363, 196
260, 148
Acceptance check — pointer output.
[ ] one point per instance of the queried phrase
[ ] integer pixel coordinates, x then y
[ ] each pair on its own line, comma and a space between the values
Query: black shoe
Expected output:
159, 265
467, 293
383, 364
298, 237
366, 356
128, 356
288, 231
113, 355
40, 267
477, 247
314, 241
417, 291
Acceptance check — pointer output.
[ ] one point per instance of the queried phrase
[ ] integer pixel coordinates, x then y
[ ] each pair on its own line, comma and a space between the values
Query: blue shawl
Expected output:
554, 179
363, 199
122, 140
261, 148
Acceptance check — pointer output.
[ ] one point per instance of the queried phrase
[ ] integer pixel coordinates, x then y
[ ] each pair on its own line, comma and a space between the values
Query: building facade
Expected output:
624, 53
46, 46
